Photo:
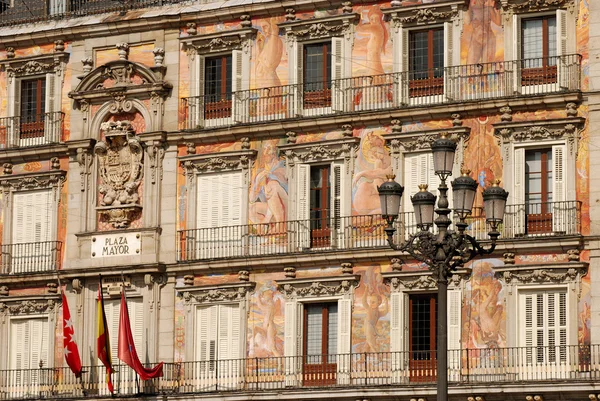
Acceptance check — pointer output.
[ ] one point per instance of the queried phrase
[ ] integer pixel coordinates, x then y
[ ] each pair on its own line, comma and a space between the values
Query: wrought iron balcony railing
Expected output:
549, 364
28, 11
31, 257
355, 232
34, 130
447, 85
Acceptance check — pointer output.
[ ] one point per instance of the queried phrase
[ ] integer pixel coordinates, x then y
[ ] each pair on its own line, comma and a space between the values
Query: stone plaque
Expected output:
117, 244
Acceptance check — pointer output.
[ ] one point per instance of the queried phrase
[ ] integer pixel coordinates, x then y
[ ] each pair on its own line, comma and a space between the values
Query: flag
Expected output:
103, 340
127, 352
71, 351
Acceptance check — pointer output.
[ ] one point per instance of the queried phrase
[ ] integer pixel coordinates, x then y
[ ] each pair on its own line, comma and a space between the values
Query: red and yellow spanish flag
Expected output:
103, 340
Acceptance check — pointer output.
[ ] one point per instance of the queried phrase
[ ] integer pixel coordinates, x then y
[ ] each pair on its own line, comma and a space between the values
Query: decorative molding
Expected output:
310, 152
22, 182
156, 145
550, 274
318, 286
28, 306
120, 167
421, 280
221, 293
237, 39
423, 14
338, 25
34, 65
401, 142
521, 6
224, 161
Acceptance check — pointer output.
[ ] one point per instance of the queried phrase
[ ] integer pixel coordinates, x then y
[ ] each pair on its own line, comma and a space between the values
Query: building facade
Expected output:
219, 162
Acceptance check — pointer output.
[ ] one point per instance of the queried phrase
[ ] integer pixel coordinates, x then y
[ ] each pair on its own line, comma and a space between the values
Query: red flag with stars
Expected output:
70, 345
127, 352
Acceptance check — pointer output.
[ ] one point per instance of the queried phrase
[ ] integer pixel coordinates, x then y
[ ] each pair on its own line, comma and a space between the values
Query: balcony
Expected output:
467, 368
31, 257
360, 232
460, 84
28, 11
42, 129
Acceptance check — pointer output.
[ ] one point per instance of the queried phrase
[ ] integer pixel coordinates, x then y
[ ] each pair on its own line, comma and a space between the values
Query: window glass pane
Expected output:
419, 54
317, 66
532, 37
314, 329
217, 78
438, 52
552, 37
538, 178
33, 99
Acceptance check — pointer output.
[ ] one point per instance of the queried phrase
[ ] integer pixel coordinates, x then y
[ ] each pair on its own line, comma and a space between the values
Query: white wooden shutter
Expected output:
303, 205
517, 54
206, 333
56, 7
19, 340
112, 309
338, 212
206, 192
562, 220
291, 331
197, 102
399, 322
450, 90
29, 343
51, 121
412, 178
564, 79
404, 65
454, 331
229, 332
296, 74
515, 218
237, 85
344, 339
337, 73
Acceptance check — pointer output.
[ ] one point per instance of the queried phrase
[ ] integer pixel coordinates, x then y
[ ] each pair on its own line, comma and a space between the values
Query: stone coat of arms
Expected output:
120, 164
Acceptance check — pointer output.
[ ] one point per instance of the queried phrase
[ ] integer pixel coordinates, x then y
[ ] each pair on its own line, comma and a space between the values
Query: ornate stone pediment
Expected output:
50, 179
223, 161
534, 5
120, 162
35, 65
222, 293
338, 25
237, 39
338, 149
414, 141
318, 286
421, 280
28, 306
423, 13
549, 274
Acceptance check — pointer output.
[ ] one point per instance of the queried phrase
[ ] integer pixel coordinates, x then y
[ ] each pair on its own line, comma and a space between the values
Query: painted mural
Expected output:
265, 321
372, 50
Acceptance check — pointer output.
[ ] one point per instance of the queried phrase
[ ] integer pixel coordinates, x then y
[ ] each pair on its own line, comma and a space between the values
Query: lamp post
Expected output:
448, 249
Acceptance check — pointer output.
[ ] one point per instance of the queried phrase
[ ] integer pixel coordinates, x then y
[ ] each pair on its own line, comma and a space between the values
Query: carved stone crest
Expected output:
120, 168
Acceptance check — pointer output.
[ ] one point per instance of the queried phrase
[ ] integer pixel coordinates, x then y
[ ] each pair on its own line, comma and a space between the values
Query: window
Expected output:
219, 213
426, 62
29, 348
4, 5
543, 326
217, 345
540, 185
218, 86
33, 108
422, 337
539, 50
32, 242
320, 343
317, 75
320, 204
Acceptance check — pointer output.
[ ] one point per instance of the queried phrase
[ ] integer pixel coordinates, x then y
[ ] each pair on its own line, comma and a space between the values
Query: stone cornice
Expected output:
222, 161
318, 286
228, 292
539, 130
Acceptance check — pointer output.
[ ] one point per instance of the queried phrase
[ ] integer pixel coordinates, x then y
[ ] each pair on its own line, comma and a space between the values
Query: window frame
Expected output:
429, 84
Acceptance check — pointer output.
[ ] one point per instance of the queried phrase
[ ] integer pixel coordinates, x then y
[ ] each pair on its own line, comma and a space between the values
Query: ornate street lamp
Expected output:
449, 249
